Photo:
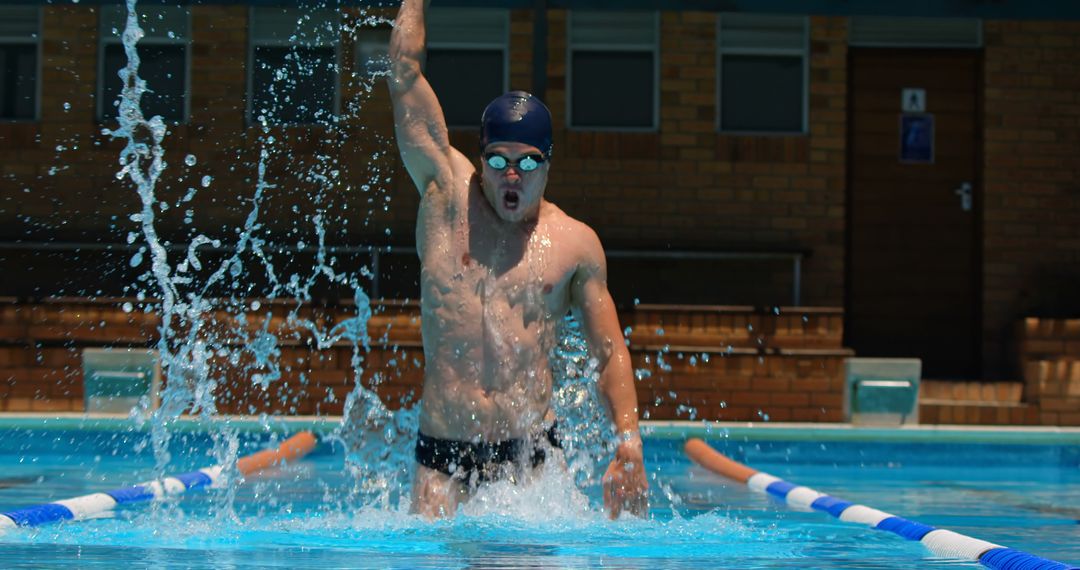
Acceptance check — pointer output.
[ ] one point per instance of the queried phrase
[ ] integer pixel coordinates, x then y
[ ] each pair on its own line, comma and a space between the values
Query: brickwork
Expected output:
739, 363
687, 186
1031, 211
41, 355
684, 186
1048, 351
744, 366
976, 403
692, 362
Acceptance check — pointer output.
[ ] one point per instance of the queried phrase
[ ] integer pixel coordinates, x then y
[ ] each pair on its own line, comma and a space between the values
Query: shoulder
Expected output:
579, 241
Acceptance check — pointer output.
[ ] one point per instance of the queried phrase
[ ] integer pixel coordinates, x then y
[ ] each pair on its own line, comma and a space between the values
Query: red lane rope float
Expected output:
941, 542
93, 505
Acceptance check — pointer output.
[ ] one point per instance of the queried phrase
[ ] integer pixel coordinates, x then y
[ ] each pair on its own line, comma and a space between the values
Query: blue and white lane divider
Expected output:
944, 543
96, 505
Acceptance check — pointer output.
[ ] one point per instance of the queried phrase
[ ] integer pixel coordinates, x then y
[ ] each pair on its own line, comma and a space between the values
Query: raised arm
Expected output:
418, 118
625, 484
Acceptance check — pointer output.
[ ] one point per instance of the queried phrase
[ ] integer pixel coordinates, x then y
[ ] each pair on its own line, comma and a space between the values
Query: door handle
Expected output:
964, 192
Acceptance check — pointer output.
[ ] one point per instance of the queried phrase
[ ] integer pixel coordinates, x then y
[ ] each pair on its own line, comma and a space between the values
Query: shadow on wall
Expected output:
1052, 293
35, 274
759, 283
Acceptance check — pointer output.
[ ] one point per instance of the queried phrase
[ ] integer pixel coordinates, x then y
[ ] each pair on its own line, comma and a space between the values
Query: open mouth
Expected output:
511, 200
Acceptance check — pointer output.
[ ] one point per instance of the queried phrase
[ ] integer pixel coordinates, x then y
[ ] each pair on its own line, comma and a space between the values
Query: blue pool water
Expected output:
1025, 496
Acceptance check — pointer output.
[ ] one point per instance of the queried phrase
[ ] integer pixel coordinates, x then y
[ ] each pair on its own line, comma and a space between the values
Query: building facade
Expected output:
921, 173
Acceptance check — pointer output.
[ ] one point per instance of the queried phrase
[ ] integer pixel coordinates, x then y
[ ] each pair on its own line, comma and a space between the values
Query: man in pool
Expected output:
500, 268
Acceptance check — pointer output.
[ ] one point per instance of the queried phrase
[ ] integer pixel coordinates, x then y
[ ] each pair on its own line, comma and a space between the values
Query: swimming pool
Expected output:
1017, 488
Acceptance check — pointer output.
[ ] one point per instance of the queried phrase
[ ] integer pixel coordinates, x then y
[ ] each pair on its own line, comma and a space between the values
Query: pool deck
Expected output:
746, 431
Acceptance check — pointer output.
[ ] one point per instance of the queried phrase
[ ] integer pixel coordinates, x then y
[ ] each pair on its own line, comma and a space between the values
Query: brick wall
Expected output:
1048, 353
691, 362
1031, 174
687, 186
684, 186
718, 363
739, 363
41, 355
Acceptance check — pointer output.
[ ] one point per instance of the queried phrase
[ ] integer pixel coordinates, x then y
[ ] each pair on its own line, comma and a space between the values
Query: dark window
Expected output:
294, 85
18, 80
163, 67
761, 93
465, 81
612, 89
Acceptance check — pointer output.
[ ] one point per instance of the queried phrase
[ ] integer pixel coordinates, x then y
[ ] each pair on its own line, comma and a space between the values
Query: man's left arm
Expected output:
625, 483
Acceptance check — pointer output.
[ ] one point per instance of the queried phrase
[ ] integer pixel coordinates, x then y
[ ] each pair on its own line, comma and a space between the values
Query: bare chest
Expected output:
474, 269
525, 281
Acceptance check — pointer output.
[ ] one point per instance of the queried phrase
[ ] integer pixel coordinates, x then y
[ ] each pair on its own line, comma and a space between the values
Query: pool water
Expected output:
1025, 496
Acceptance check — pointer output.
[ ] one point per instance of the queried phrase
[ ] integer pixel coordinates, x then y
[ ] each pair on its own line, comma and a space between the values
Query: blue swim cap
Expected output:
517, 116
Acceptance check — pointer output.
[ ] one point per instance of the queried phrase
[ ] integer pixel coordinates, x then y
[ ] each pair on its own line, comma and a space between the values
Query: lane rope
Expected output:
96, 504
942, 542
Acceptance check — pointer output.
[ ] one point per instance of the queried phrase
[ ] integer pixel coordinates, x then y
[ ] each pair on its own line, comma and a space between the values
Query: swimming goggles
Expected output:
527, 163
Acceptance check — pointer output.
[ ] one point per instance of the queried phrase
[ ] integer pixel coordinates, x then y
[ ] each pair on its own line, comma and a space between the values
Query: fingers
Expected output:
625, 490
612, 502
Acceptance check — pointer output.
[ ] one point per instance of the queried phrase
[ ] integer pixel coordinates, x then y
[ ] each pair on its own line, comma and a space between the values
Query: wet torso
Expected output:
492, 295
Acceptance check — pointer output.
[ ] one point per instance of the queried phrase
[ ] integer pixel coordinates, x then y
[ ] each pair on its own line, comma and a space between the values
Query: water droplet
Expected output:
128, 307
67, 106
206, 180
190, 160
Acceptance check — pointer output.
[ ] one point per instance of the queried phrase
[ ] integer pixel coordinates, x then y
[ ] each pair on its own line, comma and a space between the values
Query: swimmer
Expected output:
500, 268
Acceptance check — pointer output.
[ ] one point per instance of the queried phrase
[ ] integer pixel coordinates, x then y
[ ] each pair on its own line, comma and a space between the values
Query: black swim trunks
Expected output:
485, 461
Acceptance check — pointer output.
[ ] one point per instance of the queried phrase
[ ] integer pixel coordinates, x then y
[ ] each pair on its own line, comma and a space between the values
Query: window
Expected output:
293, 71
762, 73
163, 61
467, 58
614, 66
19, 37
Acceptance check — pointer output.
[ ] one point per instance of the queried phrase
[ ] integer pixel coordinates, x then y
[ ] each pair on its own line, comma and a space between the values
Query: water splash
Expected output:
211, 331
206, 337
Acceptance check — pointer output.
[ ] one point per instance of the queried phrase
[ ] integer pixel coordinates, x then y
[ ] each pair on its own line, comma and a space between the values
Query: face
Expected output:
513, 193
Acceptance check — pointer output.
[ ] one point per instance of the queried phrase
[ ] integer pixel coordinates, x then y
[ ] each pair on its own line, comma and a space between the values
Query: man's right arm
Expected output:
418, 118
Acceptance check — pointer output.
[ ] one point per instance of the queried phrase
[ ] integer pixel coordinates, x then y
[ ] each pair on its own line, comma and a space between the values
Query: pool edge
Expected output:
747, 431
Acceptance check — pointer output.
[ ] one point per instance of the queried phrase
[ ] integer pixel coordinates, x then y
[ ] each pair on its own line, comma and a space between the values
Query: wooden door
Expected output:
913, 262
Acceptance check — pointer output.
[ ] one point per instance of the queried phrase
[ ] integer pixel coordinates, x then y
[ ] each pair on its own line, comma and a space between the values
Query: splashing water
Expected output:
206, 336
202, 335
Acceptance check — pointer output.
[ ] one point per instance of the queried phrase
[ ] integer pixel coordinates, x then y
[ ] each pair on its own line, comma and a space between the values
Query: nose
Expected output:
512, 173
